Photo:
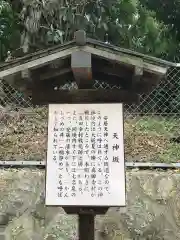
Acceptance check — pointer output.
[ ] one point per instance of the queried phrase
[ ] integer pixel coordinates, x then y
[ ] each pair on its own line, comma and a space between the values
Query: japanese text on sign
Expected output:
85, 159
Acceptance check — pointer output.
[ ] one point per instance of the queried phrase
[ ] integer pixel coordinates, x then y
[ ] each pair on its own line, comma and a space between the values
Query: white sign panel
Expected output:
85, 157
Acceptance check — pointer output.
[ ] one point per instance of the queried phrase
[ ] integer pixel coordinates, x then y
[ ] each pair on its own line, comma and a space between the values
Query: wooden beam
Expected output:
81, 68
86, 210
112, 76
51, 83
80, 37
113, 69
137, 76
25, 74
147, 83
125, 59
138, 71
38, 62
143, 87
139, 87
103, 53
54, 73
83, 96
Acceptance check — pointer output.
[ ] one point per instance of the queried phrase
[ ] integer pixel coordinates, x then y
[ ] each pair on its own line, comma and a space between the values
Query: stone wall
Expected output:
152, 212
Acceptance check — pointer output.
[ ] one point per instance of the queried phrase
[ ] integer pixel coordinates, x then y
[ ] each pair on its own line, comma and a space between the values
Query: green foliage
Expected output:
168, 12
8, 28
125, 22
150, 27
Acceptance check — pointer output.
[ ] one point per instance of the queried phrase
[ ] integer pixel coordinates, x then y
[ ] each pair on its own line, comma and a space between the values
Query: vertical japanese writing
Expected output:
61, 152
80, 142
55, 137
93, 127
86, 166
74, 154
99, 159
106, 159
115, 148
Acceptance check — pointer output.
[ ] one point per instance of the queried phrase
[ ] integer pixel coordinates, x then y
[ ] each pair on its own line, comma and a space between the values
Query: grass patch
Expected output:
24, 137
148, 139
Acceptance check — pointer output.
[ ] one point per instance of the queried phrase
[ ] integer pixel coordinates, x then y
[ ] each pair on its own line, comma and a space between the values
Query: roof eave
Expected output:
98, 49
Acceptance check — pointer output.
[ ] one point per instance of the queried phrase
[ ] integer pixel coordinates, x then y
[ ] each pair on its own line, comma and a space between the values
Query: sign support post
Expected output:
86, 227
86, 220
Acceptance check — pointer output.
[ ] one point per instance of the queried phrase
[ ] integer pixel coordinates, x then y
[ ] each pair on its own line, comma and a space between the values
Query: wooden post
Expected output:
86, 227
86, 220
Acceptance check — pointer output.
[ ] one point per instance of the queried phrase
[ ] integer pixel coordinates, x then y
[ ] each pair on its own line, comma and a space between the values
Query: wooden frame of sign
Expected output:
60, 173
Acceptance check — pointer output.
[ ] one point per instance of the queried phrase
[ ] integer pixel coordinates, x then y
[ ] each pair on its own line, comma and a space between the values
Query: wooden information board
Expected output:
85, 157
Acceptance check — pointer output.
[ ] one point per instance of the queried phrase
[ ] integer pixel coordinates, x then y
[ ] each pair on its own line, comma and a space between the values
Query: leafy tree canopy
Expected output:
168, 12
8, 28
126, 23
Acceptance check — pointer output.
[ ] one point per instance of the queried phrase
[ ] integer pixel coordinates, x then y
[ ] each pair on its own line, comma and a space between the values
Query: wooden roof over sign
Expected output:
84, 60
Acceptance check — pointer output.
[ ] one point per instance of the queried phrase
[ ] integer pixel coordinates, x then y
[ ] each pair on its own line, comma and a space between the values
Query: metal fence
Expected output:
151, 128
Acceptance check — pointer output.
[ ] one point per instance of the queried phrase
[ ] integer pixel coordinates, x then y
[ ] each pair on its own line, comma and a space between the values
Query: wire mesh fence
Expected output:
151, 127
